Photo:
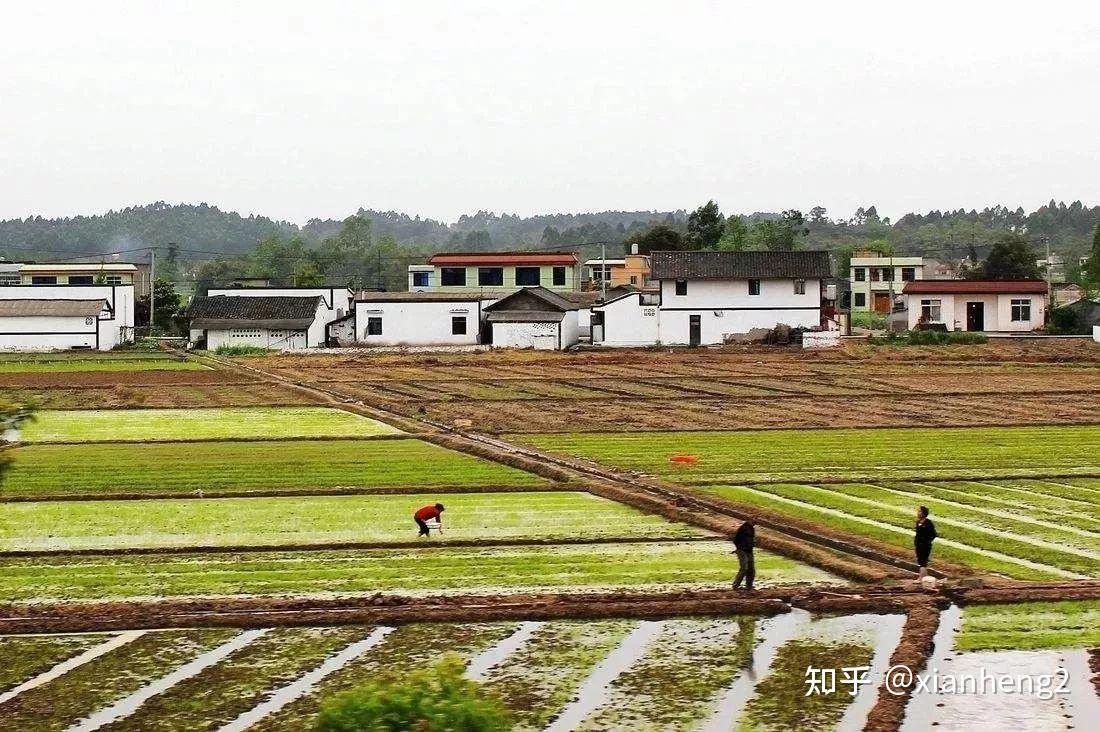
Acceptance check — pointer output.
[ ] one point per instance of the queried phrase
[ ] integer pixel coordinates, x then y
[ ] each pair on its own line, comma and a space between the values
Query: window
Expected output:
80, 279
528, 276
754, 287
859, 274
113, 279
44, 280
930, 311
633, 279
800, 287
452, 276
422, 279
1021, 311
490, 276
559, 276
860, 299
458, 325
908, 274
681, 287
887, 274
374, 326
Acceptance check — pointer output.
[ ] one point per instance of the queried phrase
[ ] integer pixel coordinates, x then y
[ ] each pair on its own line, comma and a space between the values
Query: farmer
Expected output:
427, 513
922, 540
743, 540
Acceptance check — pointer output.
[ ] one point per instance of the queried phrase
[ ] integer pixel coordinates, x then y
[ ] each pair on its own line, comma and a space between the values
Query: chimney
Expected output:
634, 248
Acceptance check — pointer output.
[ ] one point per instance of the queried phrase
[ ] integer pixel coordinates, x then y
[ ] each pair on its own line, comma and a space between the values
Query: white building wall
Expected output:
425, 323
570, 329
703, 294
628, 323
725, 307
260, 337
113, 329
541, 336
46, 333
997, 315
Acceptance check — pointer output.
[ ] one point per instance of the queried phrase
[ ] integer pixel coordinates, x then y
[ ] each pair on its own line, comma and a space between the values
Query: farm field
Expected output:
122, 396
197, 467
840, 454
1030, 626
681, 673
64, 365
141, 425
86, 525
411, 571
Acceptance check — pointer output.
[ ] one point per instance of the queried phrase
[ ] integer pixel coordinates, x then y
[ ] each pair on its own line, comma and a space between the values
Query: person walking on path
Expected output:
743, 540
922, 540
426, 514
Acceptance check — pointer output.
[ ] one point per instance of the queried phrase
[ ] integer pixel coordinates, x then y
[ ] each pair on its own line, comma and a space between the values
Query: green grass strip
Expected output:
842, 453
189, 468
139, 425
455, 570
1030, 626
68, 525
1000, 497
28, 656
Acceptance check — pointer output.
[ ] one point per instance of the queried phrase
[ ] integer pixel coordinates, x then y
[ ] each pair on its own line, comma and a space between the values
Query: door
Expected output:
975, 316
882, 302
695, 330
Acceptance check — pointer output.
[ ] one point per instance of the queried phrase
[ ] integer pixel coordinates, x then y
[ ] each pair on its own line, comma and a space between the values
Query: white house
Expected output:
878, 280
417, 318
53, 318
267, 321
337, 301
533, 317
978, 305
707, 296
77, 273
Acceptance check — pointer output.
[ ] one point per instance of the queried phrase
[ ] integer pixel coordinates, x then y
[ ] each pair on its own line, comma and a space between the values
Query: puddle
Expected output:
593, 692
919, 711
68, 665
888, 630
128, 705
306, 683
481, 664
1083, 698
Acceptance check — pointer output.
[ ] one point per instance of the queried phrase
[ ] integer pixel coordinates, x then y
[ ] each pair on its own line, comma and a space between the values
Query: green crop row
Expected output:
997, 496
454, 570
1030, 626
27, 656
68, 525
190, 468
140, 425
841, 453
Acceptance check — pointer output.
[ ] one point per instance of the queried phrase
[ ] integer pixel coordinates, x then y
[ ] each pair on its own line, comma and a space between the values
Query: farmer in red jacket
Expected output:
426, 514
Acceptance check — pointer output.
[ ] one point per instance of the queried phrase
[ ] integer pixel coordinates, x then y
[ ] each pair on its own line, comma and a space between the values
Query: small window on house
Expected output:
80, 279
374, 326
559, 277
458, 325
1021, 311
633, 279
859, 274
452, 276
800, 287
421, 279
490, 276
860, 299
681, 287
754, 287
527, 277
887, 274
908, 274
930, 311
113, 279
44, 280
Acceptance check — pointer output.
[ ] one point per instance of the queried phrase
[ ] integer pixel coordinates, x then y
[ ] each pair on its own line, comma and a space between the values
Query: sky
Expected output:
297, 110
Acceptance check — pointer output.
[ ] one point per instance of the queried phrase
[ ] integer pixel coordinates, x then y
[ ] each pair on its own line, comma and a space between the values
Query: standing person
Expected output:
426, 514
922, 540
743, 540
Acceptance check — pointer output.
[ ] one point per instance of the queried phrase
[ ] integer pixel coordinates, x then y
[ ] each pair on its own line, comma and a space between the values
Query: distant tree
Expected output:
780, 234
306, 274
478, 240
704, 226
167, 307
735, 235
659, 238
1092, 266
1010, 258
845, 252
551, 237
818, 217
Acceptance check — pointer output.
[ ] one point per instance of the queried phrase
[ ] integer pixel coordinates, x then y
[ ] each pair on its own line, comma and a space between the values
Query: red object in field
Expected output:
683, 459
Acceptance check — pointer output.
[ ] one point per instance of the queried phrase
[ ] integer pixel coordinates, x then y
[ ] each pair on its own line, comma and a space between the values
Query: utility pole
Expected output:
1050, 296
152, 285
603, 271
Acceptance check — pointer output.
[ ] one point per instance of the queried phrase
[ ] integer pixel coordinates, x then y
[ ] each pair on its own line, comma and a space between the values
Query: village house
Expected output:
977, 305
62, 317
633, 270
533, 317
277, 318
417, 319
877, 280
706, 297
489, 273
77, 273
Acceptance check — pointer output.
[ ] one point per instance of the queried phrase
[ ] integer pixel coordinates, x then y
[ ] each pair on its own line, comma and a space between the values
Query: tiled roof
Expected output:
524, 316
710, 265
422, 296
501, 259
975, 287
533, 299
20, 308
260, 311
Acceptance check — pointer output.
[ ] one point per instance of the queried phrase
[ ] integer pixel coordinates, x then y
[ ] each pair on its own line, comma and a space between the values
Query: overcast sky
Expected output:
300, 109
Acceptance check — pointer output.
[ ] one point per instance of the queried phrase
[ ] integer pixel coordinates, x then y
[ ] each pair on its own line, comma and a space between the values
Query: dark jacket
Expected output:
925, 533
744, 537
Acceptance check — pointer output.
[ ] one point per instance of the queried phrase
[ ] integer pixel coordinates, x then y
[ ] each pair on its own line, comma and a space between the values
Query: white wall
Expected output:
570, 329
261, 338
425, 323
628, 323
113, 328
46, 333
725, 307
998, 311
542, 336
709, 294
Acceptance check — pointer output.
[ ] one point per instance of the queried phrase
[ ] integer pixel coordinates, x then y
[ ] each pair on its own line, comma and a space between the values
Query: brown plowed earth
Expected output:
1008, 592
76, 379
912, 651
1094, 666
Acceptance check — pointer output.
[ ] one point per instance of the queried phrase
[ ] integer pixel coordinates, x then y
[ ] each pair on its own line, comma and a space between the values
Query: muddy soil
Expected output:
1009, 592
1094, 666
912, 651
76, 379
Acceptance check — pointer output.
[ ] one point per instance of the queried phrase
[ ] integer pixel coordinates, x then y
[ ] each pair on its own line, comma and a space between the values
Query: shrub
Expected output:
435, 699
941, 338
868, 319
1064, 320
241, 351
